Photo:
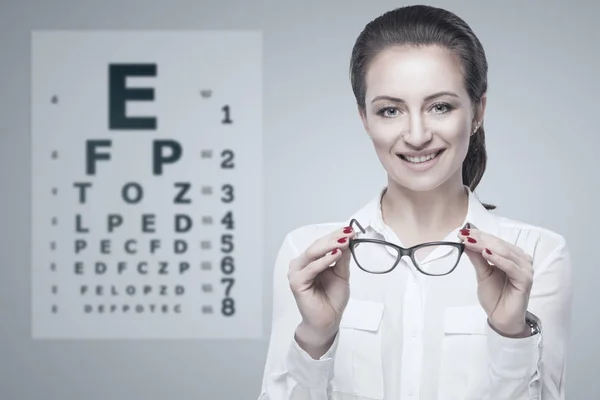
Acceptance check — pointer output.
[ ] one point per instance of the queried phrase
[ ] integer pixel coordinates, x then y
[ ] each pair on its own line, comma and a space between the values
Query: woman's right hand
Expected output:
321, 291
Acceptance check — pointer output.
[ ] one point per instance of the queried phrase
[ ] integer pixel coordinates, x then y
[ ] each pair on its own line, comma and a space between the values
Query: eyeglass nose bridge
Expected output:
407, 252
410, 252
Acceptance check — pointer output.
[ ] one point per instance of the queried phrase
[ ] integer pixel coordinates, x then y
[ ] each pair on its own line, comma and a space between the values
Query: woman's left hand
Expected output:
504, 279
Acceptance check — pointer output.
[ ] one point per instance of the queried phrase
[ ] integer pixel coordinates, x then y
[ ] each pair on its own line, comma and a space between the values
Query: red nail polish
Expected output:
342, 240
465, 232
347, 229
488, 251
334, 251
471, 240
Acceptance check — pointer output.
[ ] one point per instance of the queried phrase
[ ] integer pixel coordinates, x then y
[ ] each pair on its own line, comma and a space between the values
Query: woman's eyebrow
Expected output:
430, 97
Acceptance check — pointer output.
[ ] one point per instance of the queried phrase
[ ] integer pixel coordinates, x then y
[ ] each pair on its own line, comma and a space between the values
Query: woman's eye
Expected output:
442, 108
388, 112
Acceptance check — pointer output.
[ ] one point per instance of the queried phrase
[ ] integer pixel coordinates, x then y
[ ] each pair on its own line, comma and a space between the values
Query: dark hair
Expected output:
421, 25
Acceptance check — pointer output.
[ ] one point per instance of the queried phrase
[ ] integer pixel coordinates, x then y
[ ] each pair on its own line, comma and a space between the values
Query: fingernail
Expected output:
348, 229
465, 232
342, 240
334, 251
488, 251
471, 240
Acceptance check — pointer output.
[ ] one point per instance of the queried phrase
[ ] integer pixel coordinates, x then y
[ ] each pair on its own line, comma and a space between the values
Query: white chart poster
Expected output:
147, 192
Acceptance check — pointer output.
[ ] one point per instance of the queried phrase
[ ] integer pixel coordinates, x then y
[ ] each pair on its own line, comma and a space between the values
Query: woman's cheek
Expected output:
453, 130
385, 134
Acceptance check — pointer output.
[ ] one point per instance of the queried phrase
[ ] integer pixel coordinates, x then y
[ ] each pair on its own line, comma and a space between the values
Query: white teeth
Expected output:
420, 159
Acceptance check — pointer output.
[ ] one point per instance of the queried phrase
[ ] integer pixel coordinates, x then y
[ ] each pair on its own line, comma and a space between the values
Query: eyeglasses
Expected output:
362, 252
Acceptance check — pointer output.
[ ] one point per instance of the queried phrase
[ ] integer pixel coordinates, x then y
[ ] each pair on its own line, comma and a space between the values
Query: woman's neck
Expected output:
418, 217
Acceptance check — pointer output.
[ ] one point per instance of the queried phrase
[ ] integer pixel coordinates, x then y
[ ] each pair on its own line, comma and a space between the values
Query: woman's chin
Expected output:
420, 185
423, 183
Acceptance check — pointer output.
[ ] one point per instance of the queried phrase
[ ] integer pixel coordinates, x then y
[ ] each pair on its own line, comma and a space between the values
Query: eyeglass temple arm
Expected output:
353, 221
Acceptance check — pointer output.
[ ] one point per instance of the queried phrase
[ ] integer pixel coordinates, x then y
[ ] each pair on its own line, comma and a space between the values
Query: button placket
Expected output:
412, 349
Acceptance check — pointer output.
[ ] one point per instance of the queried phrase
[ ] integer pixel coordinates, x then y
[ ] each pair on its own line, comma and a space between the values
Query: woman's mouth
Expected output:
421, 164
421, 159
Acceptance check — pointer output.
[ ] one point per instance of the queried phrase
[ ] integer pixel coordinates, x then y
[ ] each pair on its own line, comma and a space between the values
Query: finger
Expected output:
342, 265
517, 275
476, 240
483, 248
336, 239
310, 272
483, 269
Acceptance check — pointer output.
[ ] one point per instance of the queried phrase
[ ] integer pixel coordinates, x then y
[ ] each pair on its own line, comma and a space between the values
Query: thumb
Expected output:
342, 265
482, 267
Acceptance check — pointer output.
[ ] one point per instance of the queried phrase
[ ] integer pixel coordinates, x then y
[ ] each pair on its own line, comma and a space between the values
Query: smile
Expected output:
422, 159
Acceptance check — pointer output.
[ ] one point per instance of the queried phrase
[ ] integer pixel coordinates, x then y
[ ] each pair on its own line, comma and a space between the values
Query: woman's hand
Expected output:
505, 276
321, 291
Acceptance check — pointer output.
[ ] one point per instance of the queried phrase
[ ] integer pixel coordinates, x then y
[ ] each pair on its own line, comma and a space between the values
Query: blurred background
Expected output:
317, 166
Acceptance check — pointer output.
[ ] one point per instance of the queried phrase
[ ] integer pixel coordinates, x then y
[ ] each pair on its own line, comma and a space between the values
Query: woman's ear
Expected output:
480, 108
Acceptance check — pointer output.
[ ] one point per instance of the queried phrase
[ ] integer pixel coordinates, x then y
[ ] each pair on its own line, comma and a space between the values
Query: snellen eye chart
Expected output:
147, 193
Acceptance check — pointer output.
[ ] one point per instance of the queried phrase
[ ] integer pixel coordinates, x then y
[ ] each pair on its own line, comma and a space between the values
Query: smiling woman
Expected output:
423, 292
436, 113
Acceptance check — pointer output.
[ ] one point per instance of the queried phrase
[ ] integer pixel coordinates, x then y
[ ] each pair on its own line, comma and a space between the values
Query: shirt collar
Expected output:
370, 215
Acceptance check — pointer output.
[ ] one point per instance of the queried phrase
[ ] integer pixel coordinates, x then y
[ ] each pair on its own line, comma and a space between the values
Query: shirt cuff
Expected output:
307, 371
514, 358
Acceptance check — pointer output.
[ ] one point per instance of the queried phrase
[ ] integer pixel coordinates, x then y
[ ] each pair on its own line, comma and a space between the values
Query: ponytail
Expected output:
475, 163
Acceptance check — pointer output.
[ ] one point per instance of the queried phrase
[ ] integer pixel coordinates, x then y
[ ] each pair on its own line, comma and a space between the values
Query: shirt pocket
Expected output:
464, 340
357, 365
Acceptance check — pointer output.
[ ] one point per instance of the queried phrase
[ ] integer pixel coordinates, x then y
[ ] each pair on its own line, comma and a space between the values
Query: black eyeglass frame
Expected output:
402, 251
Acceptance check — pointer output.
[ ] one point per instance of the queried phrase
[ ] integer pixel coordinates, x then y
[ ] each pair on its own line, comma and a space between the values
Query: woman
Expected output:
371, 308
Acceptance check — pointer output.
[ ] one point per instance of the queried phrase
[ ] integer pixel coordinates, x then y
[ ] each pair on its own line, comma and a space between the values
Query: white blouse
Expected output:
406, 336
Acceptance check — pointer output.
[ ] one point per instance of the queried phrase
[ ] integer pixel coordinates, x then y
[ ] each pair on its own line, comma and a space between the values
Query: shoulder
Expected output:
538, 241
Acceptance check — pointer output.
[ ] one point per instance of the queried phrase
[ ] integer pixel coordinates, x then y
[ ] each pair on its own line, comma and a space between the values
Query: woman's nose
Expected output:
417, 135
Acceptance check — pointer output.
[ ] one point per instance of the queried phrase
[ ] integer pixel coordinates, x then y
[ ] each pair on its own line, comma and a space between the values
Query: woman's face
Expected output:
417, 105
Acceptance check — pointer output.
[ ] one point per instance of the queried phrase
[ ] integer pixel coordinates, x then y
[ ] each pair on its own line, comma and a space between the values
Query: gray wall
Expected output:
543, 140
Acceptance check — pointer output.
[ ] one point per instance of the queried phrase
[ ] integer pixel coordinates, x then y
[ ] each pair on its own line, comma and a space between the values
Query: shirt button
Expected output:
410, 391
414, 333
